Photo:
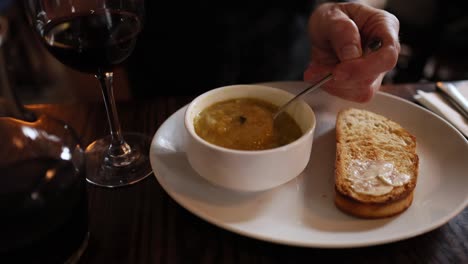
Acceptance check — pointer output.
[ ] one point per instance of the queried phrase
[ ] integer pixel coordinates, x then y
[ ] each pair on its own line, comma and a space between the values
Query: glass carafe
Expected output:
43, 196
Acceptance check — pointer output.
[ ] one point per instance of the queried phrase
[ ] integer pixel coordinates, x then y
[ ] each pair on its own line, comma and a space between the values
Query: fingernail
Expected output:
350, 52
341, 76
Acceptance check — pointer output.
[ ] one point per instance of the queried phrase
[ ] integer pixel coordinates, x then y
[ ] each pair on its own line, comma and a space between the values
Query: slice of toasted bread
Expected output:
376, 165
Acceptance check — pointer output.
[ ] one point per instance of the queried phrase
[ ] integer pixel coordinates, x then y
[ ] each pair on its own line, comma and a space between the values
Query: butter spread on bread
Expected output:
375, 177
376, 165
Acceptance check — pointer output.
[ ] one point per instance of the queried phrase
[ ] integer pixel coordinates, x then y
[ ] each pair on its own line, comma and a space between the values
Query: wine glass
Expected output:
43, 192
96, 37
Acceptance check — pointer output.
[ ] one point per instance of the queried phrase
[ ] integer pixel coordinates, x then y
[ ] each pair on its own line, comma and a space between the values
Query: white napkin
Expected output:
439, 105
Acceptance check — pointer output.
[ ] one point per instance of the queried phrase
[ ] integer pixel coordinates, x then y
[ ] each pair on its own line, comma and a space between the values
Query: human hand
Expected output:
339, 32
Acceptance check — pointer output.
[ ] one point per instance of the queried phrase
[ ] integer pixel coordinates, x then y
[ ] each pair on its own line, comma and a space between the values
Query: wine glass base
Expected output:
101, 174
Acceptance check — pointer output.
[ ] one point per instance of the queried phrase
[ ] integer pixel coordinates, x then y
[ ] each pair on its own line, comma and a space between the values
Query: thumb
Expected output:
341, 33
345, 38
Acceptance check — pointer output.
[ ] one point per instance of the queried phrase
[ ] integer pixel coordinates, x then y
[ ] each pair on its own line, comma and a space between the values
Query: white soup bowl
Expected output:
249, 170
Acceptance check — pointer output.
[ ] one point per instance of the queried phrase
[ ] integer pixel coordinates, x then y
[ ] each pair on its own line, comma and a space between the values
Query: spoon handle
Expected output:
372, 46
307, 90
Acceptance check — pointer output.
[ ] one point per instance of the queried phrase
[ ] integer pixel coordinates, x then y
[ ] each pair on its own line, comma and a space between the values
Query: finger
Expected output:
358, 91
316, 72
373, 23
341, 33
354, 90
371, 64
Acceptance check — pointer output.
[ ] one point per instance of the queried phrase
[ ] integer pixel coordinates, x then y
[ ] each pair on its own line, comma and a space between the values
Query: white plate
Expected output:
301, 212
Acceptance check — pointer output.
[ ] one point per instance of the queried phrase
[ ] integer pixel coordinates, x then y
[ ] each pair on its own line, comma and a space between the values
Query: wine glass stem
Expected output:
119, 152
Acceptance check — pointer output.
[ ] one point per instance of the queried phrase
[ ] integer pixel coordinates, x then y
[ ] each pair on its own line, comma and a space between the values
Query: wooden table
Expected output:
142, 224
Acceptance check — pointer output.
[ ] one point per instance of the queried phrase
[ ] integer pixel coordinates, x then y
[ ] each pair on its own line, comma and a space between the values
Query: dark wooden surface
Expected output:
142, 224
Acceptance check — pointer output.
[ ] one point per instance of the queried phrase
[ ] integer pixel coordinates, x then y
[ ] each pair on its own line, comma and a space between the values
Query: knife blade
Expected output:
451, 92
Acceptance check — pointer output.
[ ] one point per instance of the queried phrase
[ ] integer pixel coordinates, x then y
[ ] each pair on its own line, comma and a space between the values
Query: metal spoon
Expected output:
372, 46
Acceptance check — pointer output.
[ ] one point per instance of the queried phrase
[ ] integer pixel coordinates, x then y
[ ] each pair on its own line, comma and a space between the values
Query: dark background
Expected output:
187, 48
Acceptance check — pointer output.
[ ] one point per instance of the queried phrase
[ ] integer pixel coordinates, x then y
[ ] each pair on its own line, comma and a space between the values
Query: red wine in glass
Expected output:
92, 41
95, 37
